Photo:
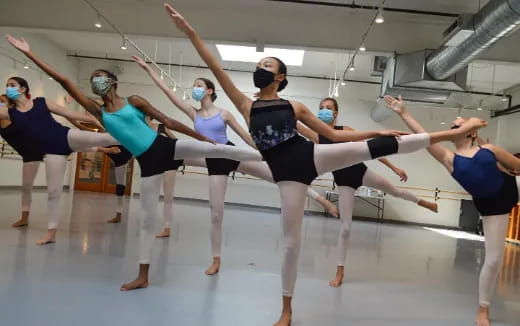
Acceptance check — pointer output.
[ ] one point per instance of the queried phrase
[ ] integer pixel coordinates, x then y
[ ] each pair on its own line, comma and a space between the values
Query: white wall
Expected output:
356, 100
11, 169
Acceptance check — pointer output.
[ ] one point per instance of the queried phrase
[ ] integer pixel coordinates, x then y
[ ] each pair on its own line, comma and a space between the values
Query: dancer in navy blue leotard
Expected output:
31, 154
478, 169
34, 118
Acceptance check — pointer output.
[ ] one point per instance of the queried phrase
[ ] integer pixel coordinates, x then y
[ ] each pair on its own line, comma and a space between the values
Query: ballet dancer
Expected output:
31, 154
294, 161
57, 142
495, 192
213, 122
350, 179
124, 118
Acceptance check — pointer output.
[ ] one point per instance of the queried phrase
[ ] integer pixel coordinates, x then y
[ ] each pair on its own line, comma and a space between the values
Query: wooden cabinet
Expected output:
513, 232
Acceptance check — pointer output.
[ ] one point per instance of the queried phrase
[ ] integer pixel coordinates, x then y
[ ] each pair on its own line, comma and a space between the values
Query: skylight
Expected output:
248, 54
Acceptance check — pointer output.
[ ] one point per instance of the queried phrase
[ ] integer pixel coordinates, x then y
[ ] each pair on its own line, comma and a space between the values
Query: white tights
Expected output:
150, 186
217, 192
168, 189
327, 158
29, 171
120, 174
55, 166
346, 206
495, 228
87, 141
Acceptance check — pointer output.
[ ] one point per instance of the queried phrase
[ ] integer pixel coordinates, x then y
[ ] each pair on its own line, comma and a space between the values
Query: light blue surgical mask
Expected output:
101, 85
12, 93
326, 115
198, 93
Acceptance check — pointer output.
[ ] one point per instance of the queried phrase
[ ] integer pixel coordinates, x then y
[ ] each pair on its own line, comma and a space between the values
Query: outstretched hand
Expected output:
475, 123
140, 61
402, 174
395, 104
177, 18
19, 44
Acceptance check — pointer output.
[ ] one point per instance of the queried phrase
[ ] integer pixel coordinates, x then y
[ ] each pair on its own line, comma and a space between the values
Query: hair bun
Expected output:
282, 85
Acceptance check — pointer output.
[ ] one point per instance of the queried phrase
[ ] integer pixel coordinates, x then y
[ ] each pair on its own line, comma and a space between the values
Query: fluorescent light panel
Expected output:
248, 54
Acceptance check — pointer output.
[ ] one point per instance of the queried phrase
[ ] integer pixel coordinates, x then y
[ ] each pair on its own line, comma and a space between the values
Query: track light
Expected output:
25, 66
443, 123
336, 92
98, 22
162, 77
124, 45
362, 48
504, 98
380, 18
479, 106
184, 97
351, 67
51, 78
343, 83
175, 87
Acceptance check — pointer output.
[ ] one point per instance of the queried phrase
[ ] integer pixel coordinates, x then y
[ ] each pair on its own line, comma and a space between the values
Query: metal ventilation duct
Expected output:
497, 19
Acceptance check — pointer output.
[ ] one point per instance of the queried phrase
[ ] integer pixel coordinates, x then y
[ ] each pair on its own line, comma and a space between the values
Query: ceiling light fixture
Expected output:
242, 53
380, 18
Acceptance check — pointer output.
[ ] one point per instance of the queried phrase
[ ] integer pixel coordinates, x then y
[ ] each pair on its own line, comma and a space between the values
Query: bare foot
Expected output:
138, 283
429, 205
164, 234
285, 319
20, 223
47, 239
340, 273
213, 269
116, 219
482, 316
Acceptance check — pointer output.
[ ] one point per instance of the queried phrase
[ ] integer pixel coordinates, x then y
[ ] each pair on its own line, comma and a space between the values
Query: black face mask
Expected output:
262, 78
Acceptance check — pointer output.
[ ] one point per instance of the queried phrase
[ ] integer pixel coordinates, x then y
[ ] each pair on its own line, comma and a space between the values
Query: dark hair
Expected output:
209, 85
282, 69
23, 83
109, 75
333, 100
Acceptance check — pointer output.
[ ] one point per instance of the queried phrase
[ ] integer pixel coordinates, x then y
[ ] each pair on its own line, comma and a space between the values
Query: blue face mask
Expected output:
12, 93
198, 93
326, 115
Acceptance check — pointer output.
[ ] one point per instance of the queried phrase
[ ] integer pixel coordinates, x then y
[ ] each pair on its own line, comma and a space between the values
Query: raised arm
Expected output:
233, 123
310, 120
439, 152
505, 158
177, 101
74, 91
239, 99
168, 122
69, 114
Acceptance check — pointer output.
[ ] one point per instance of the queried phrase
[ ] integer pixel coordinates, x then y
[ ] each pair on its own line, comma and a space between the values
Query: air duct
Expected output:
497, 19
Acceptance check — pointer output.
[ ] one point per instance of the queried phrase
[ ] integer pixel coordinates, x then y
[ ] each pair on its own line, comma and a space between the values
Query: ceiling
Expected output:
327, 33
289, 24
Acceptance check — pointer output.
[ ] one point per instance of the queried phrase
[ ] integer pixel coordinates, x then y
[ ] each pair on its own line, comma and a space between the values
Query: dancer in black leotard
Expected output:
351, 178
478, 169
295, 162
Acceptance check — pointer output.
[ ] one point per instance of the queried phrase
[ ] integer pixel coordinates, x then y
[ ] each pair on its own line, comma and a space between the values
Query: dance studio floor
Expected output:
396, 275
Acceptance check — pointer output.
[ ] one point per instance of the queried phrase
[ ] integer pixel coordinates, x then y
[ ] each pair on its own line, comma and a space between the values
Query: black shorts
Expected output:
292, 160
350, 177
121, 158
32, 157
501, 203
221, 166
159, 157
